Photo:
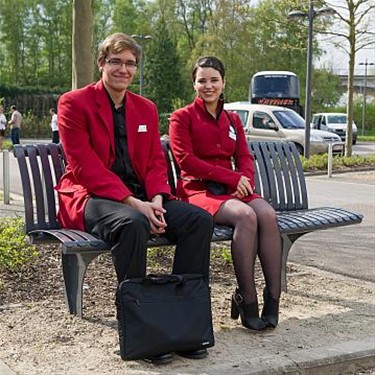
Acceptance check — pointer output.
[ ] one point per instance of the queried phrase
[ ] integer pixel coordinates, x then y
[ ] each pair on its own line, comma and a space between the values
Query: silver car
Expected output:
273, 123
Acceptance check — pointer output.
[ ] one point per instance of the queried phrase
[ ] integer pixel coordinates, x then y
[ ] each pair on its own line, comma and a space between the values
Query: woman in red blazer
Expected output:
207, 141
115, 185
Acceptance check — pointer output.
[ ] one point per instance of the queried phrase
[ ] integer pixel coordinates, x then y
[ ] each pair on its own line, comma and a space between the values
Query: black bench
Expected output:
279, 178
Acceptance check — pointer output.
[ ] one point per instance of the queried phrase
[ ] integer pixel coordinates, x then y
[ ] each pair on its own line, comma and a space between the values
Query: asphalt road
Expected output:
347, 250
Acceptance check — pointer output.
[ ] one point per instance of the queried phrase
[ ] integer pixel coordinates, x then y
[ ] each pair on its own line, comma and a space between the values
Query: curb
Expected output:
339, 171
343, 358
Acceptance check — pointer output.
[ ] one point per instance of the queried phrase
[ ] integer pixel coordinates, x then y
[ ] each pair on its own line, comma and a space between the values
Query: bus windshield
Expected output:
275, 85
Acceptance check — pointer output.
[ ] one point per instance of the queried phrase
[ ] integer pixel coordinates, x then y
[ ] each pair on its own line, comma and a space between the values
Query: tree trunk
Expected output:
82, 56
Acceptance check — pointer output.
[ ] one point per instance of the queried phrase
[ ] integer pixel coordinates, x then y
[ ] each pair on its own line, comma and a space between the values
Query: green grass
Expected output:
366, 138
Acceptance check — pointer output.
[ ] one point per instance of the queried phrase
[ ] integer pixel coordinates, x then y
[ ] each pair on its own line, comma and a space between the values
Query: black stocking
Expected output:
269, 245
243, 248
255, 231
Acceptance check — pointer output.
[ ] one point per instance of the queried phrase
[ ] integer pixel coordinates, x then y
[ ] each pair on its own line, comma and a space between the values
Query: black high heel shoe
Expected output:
270, 311
249, 312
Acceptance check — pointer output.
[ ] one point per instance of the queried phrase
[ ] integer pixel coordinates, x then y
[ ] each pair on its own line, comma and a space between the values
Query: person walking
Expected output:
3, 122
54, 126
15, 125
115, 185
207, 141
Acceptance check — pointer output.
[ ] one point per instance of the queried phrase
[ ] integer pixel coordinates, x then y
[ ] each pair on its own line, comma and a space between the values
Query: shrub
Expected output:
320, 162
15, 251
7, 144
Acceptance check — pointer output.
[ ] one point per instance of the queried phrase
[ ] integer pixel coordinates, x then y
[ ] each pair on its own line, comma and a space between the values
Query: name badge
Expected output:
142, 129
232, 133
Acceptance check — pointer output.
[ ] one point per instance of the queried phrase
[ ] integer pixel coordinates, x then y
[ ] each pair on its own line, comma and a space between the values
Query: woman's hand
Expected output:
153, 210
243, 188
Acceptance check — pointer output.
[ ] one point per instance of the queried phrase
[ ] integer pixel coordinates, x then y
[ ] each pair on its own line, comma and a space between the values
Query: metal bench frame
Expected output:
279, 178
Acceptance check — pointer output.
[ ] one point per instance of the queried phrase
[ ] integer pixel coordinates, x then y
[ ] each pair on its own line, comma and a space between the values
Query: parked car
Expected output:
274, 123
335, 123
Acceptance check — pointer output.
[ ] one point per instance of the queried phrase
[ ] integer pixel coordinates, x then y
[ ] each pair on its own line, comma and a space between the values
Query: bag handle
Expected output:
164, 279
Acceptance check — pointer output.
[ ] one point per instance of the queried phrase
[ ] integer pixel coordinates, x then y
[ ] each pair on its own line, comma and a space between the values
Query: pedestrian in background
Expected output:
3, 122
54, 127
15, 125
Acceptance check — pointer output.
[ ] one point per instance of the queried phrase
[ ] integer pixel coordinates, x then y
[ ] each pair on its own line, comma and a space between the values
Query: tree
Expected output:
325, 91
355, 16
249, 39
162, 69
82, 34
13, 30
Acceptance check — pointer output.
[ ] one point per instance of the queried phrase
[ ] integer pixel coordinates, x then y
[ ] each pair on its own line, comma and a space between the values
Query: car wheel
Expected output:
299, 148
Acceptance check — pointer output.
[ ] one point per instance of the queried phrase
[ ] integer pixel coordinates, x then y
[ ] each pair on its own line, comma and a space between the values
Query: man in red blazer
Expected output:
115, 185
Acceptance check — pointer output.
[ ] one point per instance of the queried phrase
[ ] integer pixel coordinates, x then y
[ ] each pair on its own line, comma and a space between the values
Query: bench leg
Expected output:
287, 242
74, 269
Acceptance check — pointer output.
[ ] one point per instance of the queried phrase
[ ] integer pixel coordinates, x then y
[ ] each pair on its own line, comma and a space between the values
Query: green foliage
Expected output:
325, 89
15, 252
36, 36
164, 123
248, 36
34, 127
367, 138
7, 145
162, 69
320, 162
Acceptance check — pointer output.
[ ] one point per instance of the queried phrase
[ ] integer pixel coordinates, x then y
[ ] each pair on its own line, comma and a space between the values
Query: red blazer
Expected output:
204, 148
87, 134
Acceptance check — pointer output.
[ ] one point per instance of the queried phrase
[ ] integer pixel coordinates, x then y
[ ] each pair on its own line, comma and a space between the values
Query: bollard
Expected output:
6, 177
330, 155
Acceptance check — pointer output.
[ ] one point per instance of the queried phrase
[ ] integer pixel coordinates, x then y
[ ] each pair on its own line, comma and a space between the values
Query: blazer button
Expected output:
218, 145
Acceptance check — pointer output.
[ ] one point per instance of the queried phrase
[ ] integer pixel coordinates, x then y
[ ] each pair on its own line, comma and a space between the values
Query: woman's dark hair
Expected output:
208, 62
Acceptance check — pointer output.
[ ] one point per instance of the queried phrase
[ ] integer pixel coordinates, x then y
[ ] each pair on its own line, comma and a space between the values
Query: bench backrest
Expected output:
41, 166
279, 178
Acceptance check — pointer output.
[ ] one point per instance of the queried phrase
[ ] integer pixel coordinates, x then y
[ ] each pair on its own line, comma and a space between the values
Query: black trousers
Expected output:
55, 136
127, 231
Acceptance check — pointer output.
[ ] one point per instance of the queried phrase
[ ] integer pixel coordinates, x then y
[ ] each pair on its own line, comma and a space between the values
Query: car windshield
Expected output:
290, 119
337, 119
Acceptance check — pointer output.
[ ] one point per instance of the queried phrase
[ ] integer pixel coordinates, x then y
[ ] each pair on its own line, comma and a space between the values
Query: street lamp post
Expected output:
310, 15
364, 95
141, 38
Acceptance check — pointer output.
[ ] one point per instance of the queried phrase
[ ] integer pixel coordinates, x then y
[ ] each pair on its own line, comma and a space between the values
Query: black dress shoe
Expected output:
270, 313
194, 354
248, 313
159, 359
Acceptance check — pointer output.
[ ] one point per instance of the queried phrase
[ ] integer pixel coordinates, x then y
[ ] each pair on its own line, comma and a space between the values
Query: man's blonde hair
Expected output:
117, 43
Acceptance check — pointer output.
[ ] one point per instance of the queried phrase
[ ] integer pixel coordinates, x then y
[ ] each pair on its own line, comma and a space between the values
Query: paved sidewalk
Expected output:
14, 209
336, 334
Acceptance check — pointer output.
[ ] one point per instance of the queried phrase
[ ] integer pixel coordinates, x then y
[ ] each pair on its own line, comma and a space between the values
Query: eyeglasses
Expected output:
117, 63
